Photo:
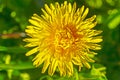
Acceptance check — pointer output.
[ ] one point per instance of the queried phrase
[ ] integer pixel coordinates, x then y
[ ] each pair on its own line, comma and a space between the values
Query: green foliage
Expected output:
14, 65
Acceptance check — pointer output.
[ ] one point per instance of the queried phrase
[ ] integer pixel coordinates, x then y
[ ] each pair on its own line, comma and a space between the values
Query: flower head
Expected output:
62, 37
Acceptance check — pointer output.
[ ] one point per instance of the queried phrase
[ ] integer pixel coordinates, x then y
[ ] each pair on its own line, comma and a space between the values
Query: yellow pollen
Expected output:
64, 38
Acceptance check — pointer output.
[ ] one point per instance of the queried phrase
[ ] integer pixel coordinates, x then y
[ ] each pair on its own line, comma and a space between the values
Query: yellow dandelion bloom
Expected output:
62, 37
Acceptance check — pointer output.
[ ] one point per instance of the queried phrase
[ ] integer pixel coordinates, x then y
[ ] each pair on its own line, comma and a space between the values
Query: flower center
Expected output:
65, 37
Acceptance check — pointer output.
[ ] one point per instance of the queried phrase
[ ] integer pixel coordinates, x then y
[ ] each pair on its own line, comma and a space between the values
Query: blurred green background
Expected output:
14, 65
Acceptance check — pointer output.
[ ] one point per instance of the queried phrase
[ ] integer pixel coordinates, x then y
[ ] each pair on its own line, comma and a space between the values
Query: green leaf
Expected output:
15, 49
2, 48
16, 66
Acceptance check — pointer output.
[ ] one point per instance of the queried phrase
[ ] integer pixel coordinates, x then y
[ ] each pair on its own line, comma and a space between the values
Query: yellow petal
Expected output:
52, 6
69, 66
76, 61
34, 50
57, 5
94, 46
31, 40
96, 40
87, 64
46, 64
46, 15
85, 14
92, 25
87, 58
81, 10
31, 45
74, 7
69, 8
61, 67
53, 67
94, 33
38, 61
48, 9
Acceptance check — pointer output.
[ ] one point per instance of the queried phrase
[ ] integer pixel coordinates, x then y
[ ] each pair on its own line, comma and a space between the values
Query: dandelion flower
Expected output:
62, 38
